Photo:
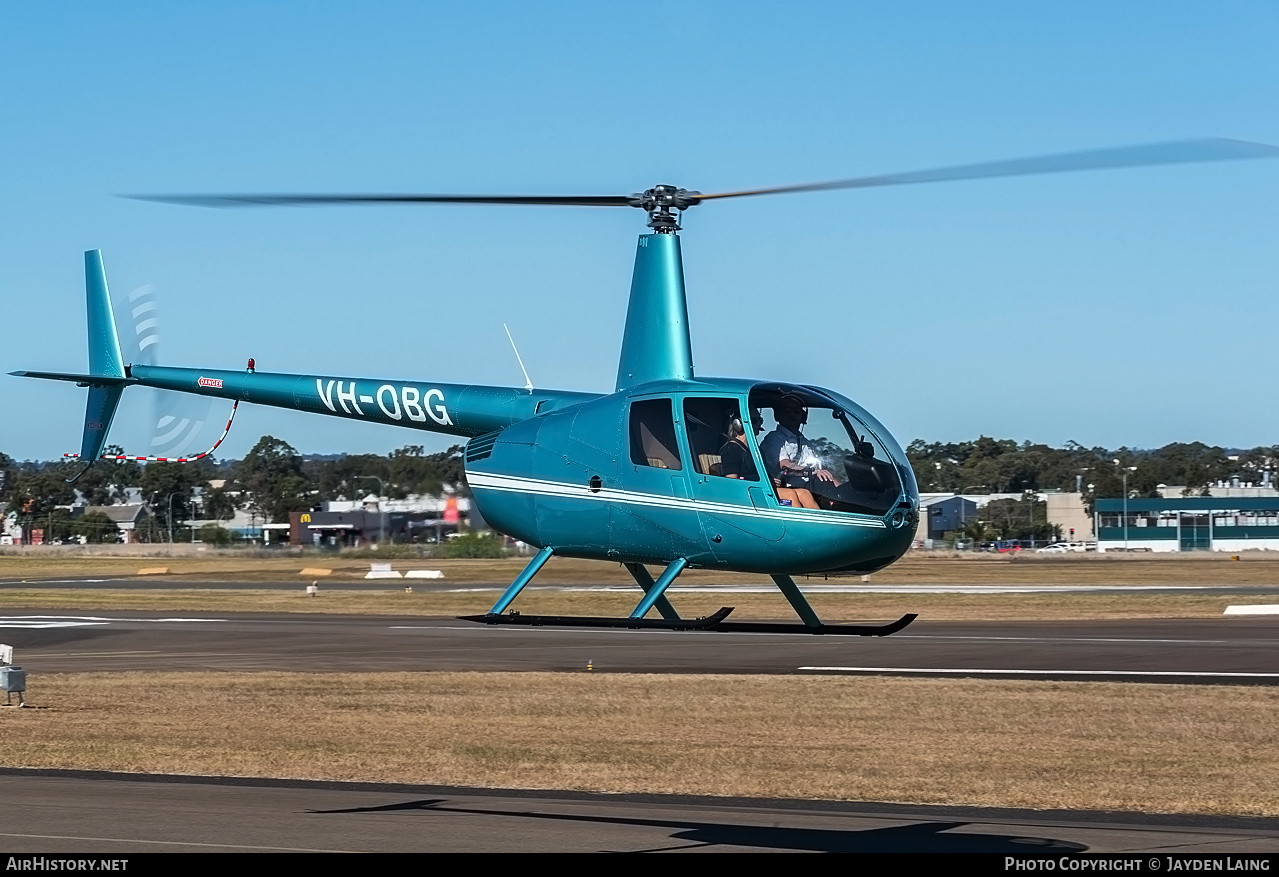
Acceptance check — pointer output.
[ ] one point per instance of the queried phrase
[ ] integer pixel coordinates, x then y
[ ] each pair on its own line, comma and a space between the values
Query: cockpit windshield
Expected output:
819, 453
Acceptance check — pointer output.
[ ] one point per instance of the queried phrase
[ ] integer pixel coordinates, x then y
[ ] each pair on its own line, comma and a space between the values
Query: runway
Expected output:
1226, 650
52, 812
87, 812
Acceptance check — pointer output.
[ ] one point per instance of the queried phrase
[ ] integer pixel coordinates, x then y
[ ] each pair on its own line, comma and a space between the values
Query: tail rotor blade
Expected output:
140, 311
178, 420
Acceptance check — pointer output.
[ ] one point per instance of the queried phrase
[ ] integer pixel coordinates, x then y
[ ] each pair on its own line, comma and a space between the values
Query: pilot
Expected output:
736, 462
788, 455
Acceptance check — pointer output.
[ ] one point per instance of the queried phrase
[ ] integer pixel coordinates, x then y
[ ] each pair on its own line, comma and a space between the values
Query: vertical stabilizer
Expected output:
104, 344
104, 359
656, 344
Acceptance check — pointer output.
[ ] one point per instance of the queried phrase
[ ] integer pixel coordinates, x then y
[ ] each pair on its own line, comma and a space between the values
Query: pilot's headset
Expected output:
735, 425
803, 417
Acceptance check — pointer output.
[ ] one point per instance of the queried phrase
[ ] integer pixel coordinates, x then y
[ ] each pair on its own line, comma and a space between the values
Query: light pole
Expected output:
381, 517
1127, 469
1031, 498
963, 516
1125, 512
1096, 523
962, 509
169, 503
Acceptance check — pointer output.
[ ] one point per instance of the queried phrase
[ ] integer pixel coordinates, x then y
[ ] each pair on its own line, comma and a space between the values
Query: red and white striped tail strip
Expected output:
234, 406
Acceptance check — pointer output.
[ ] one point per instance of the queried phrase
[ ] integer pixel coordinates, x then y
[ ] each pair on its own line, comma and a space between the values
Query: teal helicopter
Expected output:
670, 469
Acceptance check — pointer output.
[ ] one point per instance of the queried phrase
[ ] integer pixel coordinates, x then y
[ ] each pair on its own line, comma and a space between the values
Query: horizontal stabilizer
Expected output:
82, 380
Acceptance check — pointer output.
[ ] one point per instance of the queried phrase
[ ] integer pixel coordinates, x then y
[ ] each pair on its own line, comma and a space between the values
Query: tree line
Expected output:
274, 480
988, 465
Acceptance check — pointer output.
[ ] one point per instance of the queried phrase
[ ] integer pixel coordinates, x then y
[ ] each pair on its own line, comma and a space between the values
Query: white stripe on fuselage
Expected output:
515, 484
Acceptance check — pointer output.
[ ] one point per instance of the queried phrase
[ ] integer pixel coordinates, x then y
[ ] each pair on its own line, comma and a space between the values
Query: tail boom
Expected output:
463, 410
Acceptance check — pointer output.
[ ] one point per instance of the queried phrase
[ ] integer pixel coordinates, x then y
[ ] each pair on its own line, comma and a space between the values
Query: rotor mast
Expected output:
659, 201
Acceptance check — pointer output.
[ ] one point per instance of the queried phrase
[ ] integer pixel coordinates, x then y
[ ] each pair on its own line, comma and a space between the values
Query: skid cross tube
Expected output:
655, 593
521, 580
645, 581
708, 622
795, 597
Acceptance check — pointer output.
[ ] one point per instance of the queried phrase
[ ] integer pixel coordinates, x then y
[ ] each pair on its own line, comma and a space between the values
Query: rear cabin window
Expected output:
653, 434
714, 429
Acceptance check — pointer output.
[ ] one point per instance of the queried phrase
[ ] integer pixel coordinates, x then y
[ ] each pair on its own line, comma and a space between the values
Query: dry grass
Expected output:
1254, 568
915, 569
1019, 744
830, 607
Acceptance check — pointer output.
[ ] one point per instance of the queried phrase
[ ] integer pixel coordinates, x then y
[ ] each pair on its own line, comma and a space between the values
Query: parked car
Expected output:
1065, 547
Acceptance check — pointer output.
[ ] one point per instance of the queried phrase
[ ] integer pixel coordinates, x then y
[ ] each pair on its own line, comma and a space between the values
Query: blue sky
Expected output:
1116, 308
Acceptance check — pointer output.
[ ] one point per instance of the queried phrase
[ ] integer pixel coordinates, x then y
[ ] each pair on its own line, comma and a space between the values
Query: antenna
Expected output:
528, 382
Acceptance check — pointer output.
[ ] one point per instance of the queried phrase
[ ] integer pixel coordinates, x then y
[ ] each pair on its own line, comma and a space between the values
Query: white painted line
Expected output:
41, 621
816, 640
1263, 609
973, 672
41, 625
167, 843
37, 582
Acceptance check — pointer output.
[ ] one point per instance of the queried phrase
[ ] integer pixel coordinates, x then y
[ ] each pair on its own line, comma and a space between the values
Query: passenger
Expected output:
735, 456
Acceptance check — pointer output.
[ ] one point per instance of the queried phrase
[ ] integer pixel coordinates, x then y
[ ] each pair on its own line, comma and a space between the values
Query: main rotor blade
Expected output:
1180, 152
309, 200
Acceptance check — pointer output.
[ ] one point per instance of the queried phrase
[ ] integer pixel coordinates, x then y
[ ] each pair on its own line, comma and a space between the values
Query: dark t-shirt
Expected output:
735, 459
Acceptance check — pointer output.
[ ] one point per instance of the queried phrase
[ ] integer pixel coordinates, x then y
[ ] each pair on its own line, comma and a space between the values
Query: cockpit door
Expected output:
732, 495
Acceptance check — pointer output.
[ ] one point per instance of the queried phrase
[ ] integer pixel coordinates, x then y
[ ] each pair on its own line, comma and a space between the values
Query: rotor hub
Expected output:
660, 201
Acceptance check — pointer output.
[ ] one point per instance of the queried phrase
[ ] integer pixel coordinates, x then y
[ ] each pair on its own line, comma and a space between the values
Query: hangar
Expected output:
1199, 523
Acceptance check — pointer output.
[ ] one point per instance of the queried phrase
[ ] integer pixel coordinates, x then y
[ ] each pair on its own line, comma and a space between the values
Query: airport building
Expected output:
944, 514
1201, 523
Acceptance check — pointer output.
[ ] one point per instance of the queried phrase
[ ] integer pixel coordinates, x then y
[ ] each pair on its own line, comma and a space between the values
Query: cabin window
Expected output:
820, 455
718, 439
653, 435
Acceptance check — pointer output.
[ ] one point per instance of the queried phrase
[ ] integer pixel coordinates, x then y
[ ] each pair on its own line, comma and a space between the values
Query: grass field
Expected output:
830, 607
1160, 748
22, 575
1254, 568
1190, 749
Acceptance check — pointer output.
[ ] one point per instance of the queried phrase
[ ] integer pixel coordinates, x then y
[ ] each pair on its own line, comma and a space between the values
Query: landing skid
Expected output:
706, 623
714, 622
821, 630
